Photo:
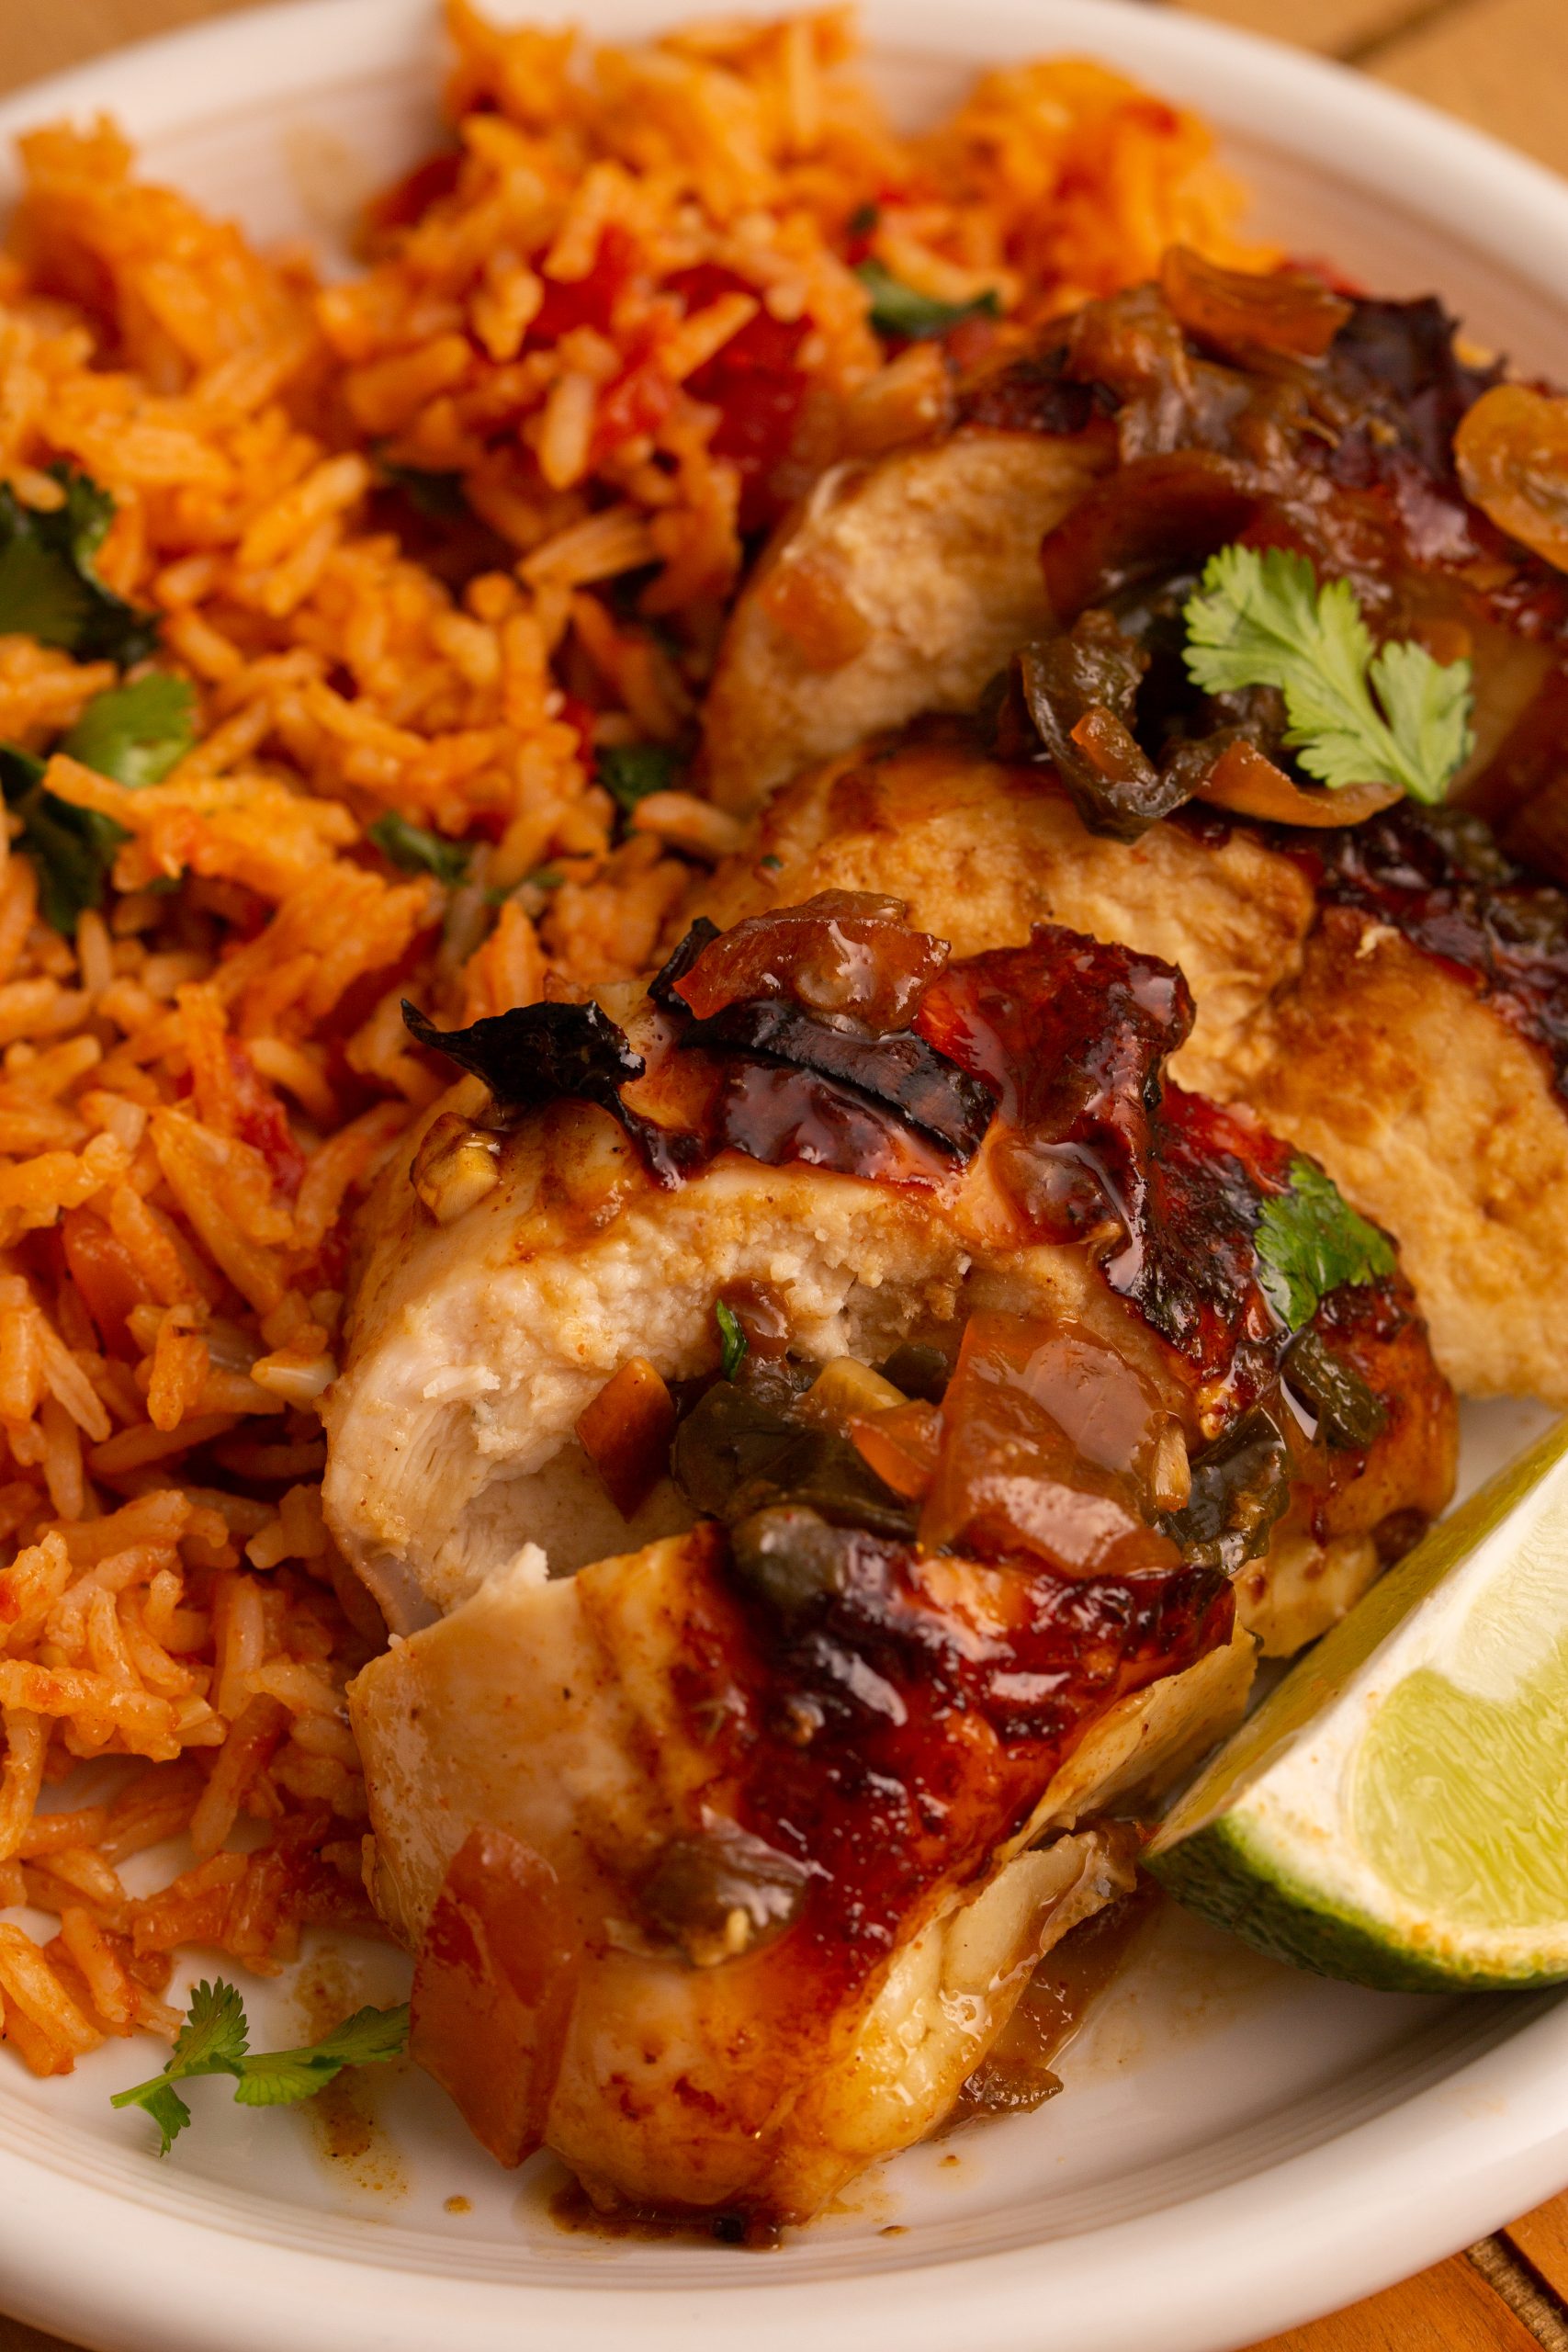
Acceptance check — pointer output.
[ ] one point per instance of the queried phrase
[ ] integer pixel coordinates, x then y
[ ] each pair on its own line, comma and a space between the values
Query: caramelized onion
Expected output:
1511, 451
1241, 310
902, 1445
1244, 780
1152, 516
845, 952
1049, 1439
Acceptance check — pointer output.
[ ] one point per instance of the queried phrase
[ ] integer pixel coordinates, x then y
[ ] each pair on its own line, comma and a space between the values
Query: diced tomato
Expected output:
262, 1122
636, 404
757, 385
587, 302
400, 205
106, 1277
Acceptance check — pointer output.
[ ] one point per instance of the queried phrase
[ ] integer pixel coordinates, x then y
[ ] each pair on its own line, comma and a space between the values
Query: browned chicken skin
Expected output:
726, 1857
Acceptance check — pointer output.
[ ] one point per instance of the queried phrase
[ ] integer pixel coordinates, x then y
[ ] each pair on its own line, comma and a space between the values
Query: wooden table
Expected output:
1501, 64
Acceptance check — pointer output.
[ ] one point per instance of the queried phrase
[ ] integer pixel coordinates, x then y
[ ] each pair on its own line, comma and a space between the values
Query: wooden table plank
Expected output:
1334, 27
1542, 2238
1503, 64
1448, 2308
40, 36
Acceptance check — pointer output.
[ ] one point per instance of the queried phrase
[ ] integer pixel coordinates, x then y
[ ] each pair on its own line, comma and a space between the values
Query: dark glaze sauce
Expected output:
1073, 1035
896, 1728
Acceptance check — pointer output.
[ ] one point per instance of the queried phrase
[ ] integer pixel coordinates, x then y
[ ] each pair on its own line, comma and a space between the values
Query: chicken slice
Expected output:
902, 585
1424, 1086
981, 851
690, 2014
729, 1790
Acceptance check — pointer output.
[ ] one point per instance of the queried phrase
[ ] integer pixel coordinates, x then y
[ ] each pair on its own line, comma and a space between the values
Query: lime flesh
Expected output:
1397, 1810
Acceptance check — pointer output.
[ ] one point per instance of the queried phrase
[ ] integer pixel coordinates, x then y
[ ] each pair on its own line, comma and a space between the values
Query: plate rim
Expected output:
1434, 2171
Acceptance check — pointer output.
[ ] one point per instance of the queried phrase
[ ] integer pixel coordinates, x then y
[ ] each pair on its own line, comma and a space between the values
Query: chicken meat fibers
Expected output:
824, 1428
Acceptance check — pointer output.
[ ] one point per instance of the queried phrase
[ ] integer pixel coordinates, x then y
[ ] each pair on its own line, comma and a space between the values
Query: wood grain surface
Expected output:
1500, 63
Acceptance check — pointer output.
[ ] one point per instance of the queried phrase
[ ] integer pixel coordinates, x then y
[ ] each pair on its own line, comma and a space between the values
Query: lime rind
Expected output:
1277, 1840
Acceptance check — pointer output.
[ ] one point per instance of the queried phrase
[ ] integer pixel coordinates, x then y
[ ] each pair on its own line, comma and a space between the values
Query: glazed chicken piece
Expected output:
1393, 995
1160, 425
1380, 985
903, 585
815, 1429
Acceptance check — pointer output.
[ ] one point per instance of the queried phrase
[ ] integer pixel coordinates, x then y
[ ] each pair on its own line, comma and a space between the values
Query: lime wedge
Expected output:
1396, 1812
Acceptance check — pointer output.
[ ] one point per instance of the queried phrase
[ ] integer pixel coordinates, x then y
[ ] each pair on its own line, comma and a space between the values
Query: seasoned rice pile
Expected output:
350, 643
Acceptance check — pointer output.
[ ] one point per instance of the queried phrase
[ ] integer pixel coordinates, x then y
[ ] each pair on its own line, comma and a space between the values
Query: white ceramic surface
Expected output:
1238, 2148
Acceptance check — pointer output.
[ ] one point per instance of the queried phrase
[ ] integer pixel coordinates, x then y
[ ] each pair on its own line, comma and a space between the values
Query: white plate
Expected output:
1239, 2148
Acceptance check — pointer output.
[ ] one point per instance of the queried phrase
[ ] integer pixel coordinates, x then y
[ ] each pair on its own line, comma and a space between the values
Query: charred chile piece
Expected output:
1348, 1412
722, 1894
1076, 696
738, 1452
900, 1074
536, 1053
545, 1053
662, 987
789, 1556
920, 1370
1404, 353
1241, 1485
732, 1436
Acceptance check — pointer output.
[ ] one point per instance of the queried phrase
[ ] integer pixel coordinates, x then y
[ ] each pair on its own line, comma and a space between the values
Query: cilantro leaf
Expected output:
629, 772
1260, 618
133, 734
416, 849
136, 734
48, 589
1309, 1240
732, 1340
214, 2039
277, 2078
897, 309
214, 2035
71, 849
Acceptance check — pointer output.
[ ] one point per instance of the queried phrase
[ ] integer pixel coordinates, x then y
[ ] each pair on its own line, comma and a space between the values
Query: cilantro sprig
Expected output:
132, 734
1358, 715
416, 850
897, 309
215, 2039
1309, 1240
48, 588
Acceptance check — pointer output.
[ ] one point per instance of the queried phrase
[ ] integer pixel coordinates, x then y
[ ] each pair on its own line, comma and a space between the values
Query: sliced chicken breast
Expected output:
1396, 1011
902, 585
758, 1717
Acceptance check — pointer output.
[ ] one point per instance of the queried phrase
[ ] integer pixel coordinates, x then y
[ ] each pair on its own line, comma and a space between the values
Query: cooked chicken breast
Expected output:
981, 851
1418, 1081
689, 2014
729, 1788
902, 585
